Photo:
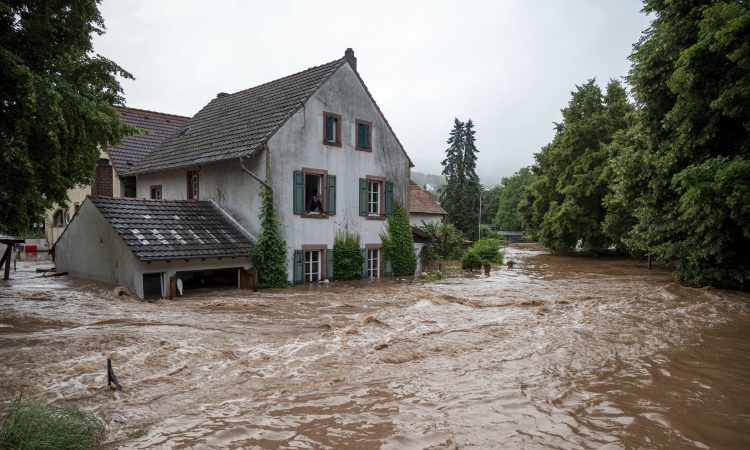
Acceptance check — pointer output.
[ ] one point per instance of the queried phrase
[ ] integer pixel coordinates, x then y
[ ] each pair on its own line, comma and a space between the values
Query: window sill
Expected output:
332, 144
314, 216
364, 149
378, 217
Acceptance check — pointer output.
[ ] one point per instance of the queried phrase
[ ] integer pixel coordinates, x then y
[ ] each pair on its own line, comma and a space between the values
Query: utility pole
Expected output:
480, 214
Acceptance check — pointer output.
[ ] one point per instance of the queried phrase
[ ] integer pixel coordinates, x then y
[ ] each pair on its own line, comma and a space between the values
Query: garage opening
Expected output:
209, 279
152, 285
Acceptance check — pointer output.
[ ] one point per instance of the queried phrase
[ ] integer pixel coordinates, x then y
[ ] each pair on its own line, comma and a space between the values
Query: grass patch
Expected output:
432, 276
139, 433
34, 425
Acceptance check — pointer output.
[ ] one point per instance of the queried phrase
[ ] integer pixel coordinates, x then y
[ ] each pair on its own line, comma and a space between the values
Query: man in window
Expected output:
315, 205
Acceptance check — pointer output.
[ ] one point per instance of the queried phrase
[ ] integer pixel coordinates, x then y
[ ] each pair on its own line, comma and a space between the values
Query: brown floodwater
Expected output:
558, 352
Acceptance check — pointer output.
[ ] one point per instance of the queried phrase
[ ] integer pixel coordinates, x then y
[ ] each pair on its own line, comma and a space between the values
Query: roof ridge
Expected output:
340, 60
118, 107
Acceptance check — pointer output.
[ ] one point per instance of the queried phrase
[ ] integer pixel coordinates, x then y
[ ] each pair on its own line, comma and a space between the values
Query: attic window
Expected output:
364, 135
331, 129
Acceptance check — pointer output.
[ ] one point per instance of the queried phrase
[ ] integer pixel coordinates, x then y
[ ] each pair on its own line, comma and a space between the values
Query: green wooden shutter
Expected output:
299, 258
362, 197
388, 198
329, 264
364, 263
331, 195
388, 268
299, 192
369, 136
330, 131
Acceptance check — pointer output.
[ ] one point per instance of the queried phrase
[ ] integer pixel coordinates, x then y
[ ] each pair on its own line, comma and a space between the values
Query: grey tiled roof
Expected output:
178, 229
158, 127
235, 125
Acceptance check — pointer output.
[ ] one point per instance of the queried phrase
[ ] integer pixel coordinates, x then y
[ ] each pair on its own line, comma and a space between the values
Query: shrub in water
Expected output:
347, 256
471, 261
398, 243
33, 425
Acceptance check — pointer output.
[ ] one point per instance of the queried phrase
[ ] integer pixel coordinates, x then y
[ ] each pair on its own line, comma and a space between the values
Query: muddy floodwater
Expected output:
557, 352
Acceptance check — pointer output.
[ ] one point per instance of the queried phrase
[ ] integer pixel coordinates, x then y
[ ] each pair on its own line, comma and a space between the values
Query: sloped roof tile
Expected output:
422, 202
234, 125
178, 229
134, 148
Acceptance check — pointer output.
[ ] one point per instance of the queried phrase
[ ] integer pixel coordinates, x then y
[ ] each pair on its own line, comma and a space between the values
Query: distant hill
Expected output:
434, 182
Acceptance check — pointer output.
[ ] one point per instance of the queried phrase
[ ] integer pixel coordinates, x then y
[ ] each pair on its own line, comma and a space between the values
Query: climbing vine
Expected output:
398, 243
270, 253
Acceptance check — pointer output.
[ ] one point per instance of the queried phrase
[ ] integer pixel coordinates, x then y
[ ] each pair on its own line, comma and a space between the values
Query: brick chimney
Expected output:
349, 55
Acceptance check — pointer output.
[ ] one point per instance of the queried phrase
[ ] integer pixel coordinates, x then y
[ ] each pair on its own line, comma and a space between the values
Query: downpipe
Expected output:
249, 172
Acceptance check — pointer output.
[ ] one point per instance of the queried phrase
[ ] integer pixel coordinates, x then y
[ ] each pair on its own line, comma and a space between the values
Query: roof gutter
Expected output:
242, 164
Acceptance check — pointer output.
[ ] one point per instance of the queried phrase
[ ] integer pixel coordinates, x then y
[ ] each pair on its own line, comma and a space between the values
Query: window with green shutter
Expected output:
299, 192
364, 135
299, 259
331, 195
362, 196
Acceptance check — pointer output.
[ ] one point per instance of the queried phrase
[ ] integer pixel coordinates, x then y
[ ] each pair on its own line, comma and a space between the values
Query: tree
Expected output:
270, 253
490, 201
398, 243
567, 206
444, 242
511, 191
56, 104
691, 146
460, 198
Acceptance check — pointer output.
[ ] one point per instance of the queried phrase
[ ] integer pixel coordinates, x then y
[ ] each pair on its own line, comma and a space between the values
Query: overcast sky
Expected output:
508, 65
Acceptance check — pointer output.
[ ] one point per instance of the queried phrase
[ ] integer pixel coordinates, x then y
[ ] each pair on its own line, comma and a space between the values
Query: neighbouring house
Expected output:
316, 138
424, 207
109, 178
146, 245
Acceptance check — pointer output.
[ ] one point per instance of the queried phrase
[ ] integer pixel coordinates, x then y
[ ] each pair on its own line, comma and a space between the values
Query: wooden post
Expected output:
172, 287
6, 260
111, 378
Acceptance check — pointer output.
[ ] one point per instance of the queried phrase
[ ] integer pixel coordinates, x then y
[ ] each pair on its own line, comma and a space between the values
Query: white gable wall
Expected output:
90, 248
299, 144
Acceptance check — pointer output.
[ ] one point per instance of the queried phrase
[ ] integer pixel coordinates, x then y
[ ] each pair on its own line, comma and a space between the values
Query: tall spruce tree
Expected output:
460, 197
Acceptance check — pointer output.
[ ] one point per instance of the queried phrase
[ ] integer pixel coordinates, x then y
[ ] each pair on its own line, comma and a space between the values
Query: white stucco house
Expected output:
316, 138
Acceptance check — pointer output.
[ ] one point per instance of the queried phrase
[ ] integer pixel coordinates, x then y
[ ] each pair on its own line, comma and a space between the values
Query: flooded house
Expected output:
424, 207
316, 138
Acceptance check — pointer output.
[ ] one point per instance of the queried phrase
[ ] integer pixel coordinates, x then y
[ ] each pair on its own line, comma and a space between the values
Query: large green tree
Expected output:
567, 196
56, 100
690, 151
460, 197
512, 191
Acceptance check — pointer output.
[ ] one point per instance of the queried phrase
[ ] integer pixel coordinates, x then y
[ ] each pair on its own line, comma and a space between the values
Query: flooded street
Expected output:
558, 352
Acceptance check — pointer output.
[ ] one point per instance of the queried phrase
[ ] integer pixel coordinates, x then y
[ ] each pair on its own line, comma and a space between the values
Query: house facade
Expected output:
109, 177
317, 139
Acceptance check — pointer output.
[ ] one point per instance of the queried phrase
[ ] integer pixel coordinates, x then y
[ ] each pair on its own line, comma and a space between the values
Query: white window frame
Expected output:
373, 263
308, 266
374, 197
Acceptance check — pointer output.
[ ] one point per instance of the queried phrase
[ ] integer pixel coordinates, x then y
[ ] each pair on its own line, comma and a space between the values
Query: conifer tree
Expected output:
472, 190
460, 198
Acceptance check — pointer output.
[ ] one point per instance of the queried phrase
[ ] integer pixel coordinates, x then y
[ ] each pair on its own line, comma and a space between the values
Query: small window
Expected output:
373, 197
312, 266
156, 192
192, 185
332, 129
57, 219
373, 263
364, 135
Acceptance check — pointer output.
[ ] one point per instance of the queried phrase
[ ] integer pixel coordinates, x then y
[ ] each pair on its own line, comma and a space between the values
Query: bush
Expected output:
471, 261
398, 244
489, 233
444, 242
347, 256
483, 252
35, 425
432, 276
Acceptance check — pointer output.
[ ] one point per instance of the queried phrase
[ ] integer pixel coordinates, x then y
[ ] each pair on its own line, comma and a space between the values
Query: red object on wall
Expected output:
30, 248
